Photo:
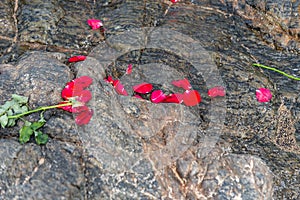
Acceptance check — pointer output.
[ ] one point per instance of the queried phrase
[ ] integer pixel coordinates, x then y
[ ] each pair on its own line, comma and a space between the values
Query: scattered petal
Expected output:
82, 82
184, 83
143, 88
191, 97
216, 91
94, 23
174, 98
263, 95
120, 88
157, 96
84, 117
137, 96
77, 58
129, 69
109, 79
174, 1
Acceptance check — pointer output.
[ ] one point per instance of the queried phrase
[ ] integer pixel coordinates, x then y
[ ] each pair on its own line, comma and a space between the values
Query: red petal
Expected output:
84, 117
82, 82
109, 79
191, 97
84, 96
174, 1
216, 91
143, 88
157, 96
67, 92
80, 109
263, 95
129, 69
94, 23
174, 98
184, 83
120, 88
138, 96
77, 58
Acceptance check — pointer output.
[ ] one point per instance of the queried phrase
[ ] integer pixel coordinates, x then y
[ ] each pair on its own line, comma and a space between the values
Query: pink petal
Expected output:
82, 82
216, 91
157, 96
94, 23
109, 79
184, 83
263, 95
138, 96
174, 1
119, 88
129, 69
191, 97
84, 96
77, 58
174, 98
66, 108
143, 88
84, 117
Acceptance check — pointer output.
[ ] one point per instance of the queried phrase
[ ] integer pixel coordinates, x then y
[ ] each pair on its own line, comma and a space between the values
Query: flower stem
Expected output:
39, 109
276, 70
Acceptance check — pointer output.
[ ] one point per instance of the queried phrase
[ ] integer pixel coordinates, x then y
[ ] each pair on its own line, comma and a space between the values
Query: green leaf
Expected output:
25, 133
40, 137
20, 99
3, 120
11, 122
16, 109
36, 125
8, 104
2, 111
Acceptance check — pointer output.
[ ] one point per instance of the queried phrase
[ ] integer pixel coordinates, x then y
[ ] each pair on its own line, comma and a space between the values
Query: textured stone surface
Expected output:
120, 154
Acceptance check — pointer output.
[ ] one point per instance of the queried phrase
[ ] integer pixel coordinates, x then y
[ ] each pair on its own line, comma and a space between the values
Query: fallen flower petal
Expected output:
94, 23
184, 83
157, 96
82, 82
109, 79
143, 88
191, 97
129, 69
84, 96
119, 88
174, 98
263, 95
216, 91
84, 117
174, 1
77, 58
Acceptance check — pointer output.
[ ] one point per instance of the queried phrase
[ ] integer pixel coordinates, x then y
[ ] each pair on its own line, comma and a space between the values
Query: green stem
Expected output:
39, 109
276, 70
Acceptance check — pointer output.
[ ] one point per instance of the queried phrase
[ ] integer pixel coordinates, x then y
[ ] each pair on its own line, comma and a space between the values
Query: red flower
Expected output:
129, 69
216, 91
94, 23
263, 95
77, 58
174, 1
184, 83
75, 93
191, 97
143, 88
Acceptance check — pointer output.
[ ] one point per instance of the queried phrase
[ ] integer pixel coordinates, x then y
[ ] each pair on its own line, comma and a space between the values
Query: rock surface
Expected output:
226, 148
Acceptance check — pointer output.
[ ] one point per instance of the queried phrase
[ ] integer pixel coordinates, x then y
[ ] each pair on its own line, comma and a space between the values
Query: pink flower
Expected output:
184, 83
94, 23
263, 95
216, 91
129, 69
143, 88
77, 58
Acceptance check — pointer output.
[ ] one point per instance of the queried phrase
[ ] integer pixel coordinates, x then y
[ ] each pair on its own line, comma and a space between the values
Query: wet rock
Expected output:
124, 155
